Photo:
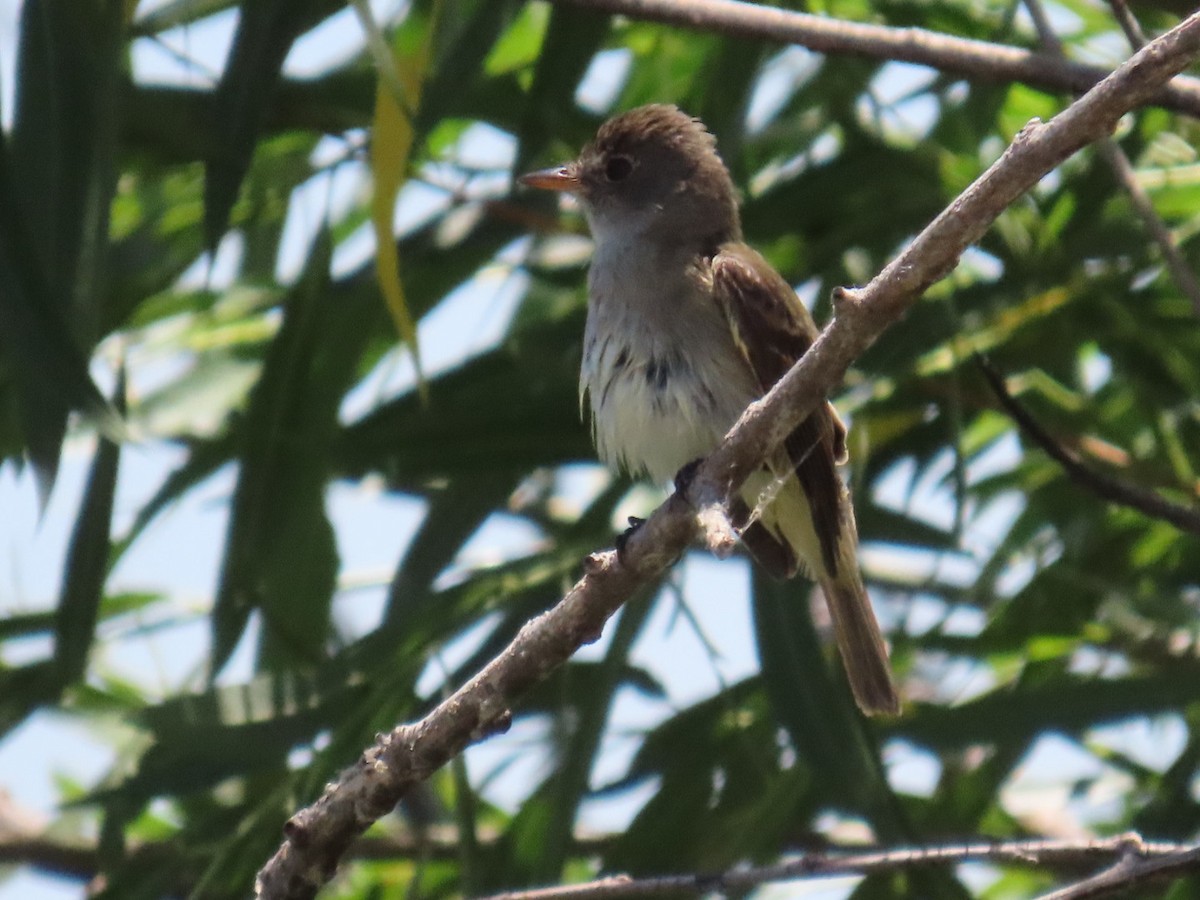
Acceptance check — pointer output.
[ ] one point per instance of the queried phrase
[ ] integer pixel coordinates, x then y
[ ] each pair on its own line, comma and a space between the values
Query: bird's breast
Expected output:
660, 369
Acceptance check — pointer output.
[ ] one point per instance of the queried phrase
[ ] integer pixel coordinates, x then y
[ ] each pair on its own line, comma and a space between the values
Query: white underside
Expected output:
645, 314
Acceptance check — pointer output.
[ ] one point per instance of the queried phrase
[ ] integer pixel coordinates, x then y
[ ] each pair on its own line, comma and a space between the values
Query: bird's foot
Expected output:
683, 478
623, 538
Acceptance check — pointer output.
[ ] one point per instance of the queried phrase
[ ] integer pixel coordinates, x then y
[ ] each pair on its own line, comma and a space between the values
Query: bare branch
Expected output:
317, 836
1122, 169
1181, 272
1047, 36
1129, 24
1132, 869
959, 56
1104, 486
1129, 848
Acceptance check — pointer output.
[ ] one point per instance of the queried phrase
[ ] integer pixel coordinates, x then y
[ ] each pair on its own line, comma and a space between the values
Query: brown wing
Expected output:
773, 329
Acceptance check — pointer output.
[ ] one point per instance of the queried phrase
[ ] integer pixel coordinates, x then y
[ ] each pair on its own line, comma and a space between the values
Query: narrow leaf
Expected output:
50, 370
391, 151
280, 555
87, 560
266, 31
55, 186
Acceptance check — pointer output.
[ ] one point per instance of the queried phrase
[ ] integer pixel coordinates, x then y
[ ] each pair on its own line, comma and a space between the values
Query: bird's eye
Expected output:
618, 168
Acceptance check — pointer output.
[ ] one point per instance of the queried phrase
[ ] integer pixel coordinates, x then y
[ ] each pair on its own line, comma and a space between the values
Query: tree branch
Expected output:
1131, 850
959, 56
1129, 24
1177, 266
317, 837
1104, 486
1130, 870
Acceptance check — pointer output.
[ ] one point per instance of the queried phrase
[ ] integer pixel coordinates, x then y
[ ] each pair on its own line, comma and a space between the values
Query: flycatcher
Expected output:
686, 326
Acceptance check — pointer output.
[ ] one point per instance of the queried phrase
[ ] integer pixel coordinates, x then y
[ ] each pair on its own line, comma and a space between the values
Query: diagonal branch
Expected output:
316, 837
959, 56
1132, 869
1177, 266
1129, 23
1104, 486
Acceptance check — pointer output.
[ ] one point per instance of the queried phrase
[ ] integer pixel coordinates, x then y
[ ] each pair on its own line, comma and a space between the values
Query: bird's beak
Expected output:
560, 178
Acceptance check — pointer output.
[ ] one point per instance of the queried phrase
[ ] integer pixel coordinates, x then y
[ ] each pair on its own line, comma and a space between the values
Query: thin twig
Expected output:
1122, 169
1132, 869
1104, 486
1048, 38
960, 56
1049, 854
1181, 272
316, 837
1129, 24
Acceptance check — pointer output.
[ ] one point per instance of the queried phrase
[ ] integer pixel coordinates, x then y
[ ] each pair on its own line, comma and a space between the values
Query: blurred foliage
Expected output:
1025, 613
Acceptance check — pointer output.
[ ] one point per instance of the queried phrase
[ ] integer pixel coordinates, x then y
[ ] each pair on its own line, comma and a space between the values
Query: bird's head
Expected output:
651, 171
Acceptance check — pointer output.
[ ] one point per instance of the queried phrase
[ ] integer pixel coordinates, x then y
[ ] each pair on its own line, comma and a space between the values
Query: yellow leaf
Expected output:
1005, 324
391, 149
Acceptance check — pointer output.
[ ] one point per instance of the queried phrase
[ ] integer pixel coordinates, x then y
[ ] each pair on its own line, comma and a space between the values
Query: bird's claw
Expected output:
623, 538
683, 478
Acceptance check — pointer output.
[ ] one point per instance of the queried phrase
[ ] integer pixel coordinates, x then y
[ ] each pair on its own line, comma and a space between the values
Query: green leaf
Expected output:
541, 833
505, 411
42, 357
88, 560
572, 38
520, 43
1063, 704
24, 689
723, 794
810, 702
63, 147
453, 516
266, 32
280, 556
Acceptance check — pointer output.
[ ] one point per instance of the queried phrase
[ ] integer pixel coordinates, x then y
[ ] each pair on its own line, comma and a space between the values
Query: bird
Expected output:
687, 325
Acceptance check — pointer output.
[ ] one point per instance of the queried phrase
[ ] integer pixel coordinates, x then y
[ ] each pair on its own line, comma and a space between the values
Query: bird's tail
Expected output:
860, 640
859, 637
